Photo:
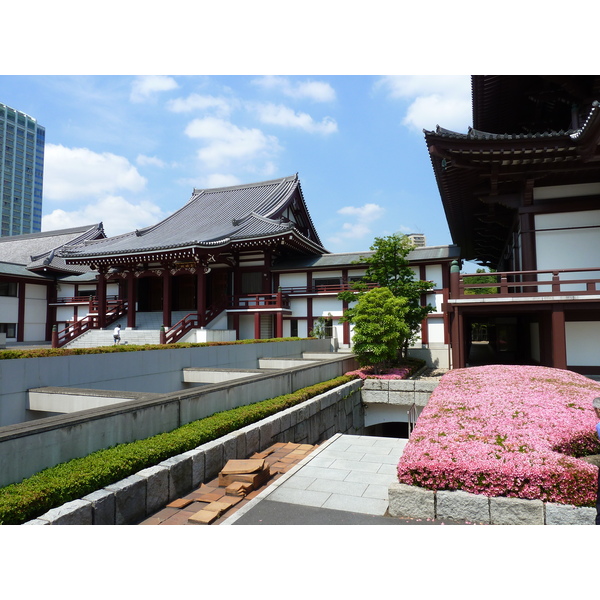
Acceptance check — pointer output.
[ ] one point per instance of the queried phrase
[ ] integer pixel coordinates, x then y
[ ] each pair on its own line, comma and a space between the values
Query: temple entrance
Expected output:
184, 292
149, 294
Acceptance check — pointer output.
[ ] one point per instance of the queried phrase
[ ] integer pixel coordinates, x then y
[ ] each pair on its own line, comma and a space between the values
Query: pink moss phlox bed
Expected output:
369, 373
510, 431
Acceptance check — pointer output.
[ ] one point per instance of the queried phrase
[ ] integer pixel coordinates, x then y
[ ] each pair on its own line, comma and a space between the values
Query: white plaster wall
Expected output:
292, 280
386, 413
324, 306
434, 273
578, 247
35, 313
65, 290
326, 274
583, 342
436, 330
246, 327
435, 300
298, 307
9, 309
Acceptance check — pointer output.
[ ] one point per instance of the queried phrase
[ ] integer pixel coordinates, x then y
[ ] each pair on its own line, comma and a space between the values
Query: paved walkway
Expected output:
343, 481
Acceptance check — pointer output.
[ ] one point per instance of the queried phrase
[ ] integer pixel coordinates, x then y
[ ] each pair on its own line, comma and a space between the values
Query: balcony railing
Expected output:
255, 301
324, 289
520, 284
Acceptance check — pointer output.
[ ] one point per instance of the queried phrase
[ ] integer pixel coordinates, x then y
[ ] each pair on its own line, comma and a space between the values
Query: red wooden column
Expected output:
559, 338
457, 340
101, 295
167, 299
131, 299
201, 295
279, 324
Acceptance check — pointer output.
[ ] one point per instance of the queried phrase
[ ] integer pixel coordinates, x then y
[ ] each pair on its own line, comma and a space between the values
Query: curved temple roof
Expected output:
216, 218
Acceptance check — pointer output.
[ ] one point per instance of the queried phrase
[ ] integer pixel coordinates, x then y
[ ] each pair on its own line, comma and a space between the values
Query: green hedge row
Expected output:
74, 479
46, 352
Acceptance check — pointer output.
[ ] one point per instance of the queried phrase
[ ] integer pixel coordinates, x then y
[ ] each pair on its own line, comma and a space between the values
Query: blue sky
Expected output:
128, 150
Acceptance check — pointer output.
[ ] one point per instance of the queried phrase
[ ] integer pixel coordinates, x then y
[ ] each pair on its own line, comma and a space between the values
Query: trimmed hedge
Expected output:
52, 487
49, 352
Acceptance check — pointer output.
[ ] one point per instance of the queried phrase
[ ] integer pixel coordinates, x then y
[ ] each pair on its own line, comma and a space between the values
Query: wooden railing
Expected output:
519, 284
91, 300
183, 326
324, 289
250, 301
115, 310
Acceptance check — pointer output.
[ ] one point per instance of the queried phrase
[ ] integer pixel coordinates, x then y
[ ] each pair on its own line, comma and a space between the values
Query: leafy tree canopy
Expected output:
389, 267
379, 327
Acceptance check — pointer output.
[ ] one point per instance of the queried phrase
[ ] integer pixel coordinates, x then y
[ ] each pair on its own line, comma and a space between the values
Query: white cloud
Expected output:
443, 100
194, 102
146, 86
217, 180
226, 142
143, 161
117, 214
359, 228
318, 91
286, 117
79, 173
367, 212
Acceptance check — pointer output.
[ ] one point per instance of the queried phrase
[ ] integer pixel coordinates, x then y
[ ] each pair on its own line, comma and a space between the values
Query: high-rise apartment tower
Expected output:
21, 172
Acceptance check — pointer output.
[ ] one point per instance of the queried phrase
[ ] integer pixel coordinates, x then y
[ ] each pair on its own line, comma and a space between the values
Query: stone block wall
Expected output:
408, 501
131, 500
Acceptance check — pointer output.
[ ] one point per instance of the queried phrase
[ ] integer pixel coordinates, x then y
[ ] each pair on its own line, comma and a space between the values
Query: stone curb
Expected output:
134, 498
413, 502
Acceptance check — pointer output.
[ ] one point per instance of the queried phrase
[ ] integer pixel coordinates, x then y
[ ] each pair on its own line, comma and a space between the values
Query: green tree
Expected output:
389, 267
484, 279
379, 328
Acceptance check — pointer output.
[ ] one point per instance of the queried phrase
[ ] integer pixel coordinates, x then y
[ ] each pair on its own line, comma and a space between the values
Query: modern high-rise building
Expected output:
21, 172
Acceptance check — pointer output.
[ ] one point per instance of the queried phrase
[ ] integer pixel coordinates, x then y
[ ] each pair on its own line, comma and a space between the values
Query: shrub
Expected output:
48, 352
512, 431
74, 479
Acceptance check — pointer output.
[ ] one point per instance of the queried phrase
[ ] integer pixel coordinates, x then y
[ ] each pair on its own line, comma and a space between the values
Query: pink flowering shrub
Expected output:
368, 373
510, 431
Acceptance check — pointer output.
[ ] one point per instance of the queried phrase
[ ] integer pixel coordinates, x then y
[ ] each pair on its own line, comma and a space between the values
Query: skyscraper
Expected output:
21, 172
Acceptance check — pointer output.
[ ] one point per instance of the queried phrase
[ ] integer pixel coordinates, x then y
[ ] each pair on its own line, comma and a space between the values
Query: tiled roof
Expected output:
344, 259
37, 251
211, 218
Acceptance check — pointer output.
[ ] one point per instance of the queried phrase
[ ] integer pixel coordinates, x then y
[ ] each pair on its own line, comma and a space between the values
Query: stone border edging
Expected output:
132, 499
408, 501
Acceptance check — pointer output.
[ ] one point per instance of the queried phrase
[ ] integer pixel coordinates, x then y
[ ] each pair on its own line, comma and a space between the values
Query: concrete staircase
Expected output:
147, 331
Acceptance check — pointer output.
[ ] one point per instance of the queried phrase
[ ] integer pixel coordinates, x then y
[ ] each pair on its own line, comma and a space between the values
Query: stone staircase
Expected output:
147, 331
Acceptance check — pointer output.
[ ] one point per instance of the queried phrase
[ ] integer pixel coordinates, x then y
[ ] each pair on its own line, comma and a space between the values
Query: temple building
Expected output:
521, 193
241, 262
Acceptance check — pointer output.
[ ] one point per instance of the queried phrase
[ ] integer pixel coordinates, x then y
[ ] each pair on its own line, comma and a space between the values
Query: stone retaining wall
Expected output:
133, 499
408, 501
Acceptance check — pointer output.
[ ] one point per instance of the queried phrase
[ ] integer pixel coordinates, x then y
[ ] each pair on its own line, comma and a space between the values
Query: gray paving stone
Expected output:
371, 478
322, 473
369, 506
385, 459
377, 491
303, 497
297, 482
348, 488
354, 465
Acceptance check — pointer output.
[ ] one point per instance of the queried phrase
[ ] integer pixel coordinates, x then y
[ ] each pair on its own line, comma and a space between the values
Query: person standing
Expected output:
596, 405
117, 334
